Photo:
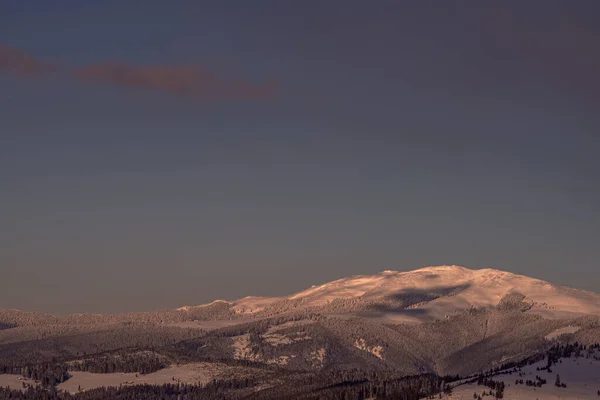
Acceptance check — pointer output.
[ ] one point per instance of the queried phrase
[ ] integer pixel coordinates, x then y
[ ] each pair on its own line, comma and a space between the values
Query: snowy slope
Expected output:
581, 376
445, 290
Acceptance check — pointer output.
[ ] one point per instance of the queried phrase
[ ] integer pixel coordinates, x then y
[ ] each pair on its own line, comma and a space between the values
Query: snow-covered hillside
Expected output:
580, 376
434, 321
440, 291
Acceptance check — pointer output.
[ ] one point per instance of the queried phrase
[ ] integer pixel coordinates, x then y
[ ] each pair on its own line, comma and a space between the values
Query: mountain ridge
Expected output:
357, 286
468, 288
442, 320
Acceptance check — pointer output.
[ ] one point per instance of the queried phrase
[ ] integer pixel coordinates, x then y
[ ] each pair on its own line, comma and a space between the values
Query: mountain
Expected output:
434, 321
432, 293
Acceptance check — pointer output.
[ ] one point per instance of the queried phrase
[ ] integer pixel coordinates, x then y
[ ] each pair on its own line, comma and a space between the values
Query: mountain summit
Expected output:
437, 291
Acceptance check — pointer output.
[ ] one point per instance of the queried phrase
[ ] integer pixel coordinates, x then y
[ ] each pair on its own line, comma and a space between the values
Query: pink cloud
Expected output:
18, 63
193, 82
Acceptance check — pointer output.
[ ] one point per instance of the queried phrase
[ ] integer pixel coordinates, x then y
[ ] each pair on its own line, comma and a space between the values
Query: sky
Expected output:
157, 154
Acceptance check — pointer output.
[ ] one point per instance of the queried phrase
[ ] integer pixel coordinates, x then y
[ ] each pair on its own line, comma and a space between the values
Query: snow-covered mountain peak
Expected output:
438, 268
436, 291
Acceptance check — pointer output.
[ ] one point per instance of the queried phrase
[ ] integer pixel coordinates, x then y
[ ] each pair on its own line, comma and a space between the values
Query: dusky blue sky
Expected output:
341, 138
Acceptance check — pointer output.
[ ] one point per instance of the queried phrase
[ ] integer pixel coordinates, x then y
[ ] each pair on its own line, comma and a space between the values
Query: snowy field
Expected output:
581, 375
194, 374
14, 381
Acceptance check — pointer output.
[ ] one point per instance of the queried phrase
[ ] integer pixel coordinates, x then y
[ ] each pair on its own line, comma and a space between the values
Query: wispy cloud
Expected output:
18, 63
194, 82
186, 81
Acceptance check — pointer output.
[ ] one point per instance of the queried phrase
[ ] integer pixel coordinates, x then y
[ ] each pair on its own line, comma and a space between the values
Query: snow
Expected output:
253, 304
281, 360
473, 288
195, 373
376, 350
15, 381
581, 375
242, 350
187, 308
276, 339
459, 289
561, 331
205, 325
318, 356
289, 324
